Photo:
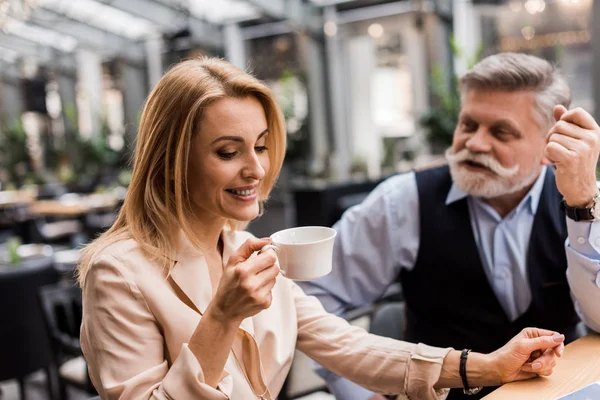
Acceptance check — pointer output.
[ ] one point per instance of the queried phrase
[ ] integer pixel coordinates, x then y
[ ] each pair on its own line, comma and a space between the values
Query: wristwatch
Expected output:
590, 213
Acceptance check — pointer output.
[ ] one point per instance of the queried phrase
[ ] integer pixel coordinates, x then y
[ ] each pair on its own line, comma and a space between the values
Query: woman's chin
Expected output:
245, 215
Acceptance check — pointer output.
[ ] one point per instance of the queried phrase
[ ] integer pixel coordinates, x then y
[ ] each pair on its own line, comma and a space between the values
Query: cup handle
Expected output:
275, 249
269, 247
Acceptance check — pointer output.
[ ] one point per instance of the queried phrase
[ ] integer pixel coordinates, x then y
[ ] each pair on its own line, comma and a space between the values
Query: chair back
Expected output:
24, 343
389, 320
61, 304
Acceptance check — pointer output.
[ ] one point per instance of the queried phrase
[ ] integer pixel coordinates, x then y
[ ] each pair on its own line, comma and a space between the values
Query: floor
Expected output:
36, 390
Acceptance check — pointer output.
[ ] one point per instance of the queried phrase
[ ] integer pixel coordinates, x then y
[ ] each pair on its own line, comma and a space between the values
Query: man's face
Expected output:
498, 145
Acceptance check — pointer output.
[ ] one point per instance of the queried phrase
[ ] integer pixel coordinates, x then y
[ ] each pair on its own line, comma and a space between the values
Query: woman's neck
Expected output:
208, 235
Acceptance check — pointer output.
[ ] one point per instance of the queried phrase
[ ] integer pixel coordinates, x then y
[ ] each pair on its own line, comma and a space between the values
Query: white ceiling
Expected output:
112, 25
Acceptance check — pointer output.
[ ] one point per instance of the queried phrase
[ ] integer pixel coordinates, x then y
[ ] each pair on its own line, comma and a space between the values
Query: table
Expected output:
74, 206
578, 367
13, 198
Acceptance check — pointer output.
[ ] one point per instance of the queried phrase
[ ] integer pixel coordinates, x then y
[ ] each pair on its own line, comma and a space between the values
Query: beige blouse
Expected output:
137, 323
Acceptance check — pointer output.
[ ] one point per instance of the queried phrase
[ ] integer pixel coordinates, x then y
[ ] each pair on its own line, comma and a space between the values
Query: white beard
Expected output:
480, 184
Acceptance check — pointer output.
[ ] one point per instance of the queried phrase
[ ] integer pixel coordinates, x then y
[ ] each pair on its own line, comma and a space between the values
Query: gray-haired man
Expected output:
479, 245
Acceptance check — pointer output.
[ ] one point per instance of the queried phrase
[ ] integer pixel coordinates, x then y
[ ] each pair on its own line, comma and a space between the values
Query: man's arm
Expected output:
583, 272
375, 240
573, 146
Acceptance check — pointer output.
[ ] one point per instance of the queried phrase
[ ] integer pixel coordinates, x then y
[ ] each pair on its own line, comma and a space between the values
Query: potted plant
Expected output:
441, 120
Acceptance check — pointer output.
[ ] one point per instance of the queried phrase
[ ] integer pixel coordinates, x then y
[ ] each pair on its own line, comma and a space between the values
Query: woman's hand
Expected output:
532, 352
245, 287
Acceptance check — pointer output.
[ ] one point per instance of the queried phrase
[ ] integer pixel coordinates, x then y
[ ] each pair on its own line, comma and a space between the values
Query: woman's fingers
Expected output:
542, 365
559, 350
529, 345
248, 248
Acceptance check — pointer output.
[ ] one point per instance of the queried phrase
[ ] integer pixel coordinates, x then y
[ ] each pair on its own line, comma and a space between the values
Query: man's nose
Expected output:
479, 142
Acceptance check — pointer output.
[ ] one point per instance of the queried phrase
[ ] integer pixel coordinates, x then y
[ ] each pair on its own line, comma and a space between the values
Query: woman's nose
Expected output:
254, 168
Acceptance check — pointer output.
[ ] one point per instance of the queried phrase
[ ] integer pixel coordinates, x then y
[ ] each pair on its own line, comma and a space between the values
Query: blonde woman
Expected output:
177, 303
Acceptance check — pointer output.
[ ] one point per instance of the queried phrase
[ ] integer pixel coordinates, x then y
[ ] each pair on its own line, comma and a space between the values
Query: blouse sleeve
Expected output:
379, 364
124, 347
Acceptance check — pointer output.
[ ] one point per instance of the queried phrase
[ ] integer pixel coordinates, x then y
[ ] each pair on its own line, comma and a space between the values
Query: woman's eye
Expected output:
226, 155
260, 149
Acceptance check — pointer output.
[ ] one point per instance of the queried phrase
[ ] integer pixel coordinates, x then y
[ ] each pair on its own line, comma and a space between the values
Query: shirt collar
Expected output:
532, 199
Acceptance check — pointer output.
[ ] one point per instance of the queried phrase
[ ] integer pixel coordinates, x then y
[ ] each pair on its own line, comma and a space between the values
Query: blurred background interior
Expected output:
368, 89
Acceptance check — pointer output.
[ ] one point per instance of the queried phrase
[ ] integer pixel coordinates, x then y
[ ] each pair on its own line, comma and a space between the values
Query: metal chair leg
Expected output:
21, 381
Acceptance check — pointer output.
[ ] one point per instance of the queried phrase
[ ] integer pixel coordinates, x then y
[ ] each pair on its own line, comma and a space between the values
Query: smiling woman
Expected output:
228, 161
180, 304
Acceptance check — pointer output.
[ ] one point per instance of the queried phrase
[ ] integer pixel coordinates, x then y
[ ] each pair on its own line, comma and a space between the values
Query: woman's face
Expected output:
228, 160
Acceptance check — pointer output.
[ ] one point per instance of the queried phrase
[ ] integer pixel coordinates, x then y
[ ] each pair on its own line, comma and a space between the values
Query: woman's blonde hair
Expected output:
158, 199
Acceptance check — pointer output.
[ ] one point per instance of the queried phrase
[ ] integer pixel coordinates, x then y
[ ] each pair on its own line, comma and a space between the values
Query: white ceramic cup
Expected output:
304, 253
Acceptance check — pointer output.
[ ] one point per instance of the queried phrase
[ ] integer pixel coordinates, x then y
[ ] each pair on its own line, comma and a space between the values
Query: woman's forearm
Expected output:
480, 371
211, 344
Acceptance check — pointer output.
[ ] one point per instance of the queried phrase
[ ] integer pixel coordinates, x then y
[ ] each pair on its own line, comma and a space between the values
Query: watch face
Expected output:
596, 212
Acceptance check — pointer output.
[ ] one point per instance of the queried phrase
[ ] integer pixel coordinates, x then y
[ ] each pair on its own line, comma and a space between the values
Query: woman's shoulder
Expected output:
121, 250
124, 257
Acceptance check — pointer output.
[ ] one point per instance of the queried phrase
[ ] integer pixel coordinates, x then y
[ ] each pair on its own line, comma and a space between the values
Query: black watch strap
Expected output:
577, 213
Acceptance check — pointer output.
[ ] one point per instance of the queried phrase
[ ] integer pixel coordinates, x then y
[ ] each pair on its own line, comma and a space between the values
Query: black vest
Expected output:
449, 300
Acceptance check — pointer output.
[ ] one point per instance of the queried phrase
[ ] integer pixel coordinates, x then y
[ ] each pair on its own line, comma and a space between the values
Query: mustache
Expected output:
481, 158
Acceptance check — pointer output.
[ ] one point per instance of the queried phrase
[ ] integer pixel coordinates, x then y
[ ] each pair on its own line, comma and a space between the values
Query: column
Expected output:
367, 144
11, 96
235, 50
90, 103
154, 61
133, 85
342, 142
467, 32
312, 55
66, 78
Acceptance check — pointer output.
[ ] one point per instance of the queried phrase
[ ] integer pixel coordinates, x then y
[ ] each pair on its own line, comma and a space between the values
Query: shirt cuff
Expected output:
424, 371
584, 237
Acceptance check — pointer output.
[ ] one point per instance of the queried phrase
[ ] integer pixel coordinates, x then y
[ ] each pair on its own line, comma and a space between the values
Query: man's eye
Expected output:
468, 126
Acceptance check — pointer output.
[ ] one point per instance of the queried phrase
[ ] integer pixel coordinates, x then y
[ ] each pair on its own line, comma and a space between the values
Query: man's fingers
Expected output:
567, 142
563, 128
556, 153
558, 112
580, 117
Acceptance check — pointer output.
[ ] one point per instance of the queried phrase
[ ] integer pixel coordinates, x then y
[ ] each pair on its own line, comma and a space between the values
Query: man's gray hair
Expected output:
515, 72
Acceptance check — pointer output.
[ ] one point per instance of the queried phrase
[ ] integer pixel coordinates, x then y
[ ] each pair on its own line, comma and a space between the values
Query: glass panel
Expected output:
100, 16
40, 35
558, 31
220, 11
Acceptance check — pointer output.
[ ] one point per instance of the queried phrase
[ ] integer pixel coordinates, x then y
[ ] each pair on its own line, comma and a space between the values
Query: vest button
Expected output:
581, 240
